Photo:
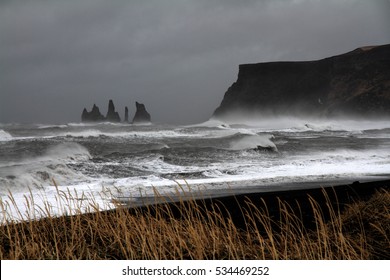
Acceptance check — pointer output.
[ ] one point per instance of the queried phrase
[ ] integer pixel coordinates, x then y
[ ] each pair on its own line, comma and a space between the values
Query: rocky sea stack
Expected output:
141, 115
126, 114
356, 83
93, 116
112, 115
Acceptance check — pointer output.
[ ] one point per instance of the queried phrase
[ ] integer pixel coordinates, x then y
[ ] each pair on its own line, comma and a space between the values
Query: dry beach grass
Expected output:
207, 229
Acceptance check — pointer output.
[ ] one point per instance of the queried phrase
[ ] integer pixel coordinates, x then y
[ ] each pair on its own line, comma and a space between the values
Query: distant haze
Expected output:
177, 57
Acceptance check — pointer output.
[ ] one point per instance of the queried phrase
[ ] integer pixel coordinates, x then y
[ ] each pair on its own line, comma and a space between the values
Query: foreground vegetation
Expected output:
360, 231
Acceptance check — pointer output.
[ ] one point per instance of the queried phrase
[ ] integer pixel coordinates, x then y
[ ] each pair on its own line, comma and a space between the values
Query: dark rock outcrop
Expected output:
355, 83
141, 115
112, 116
93, 116
126, 114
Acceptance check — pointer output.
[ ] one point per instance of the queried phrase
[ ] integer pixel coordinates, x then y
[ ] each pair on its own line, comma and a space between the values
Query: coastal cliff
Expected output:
356, 83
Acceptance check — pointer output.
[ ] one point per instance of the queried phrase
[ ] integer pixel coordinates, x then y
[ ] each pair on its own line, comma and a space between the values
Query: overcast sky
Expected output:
178, 57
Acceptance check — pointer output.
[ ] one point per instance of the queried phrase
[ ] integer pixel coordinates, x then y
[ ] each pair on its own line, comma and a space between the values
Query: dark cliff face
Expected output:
355, 83
141, 115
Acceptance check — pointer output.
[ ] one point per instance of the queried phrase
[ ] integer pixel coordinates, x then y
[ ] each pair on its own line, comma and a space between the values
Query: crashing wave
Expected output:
40, 171
254, 142
5, 136
69, 150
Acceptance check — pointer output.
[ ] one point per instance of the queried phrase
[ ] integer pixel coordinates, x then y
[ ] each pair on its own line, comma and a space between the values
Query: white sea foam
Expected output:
320, 167
68, 150
40, 171
21, 178
85, 133
107, 124
81, 124
156, 164
253, 142
46, 126
88, 124
159, 134
211, 123
298, 124
125, 134
221, 131
147, 164
5, 136
55, 201
314, 167
94, 133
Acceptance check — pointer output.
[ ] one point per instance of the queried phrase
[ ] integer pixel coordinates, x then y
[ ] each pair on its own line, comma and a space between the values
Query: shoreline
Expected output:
347, 221
273, 189
328, 196
189, 191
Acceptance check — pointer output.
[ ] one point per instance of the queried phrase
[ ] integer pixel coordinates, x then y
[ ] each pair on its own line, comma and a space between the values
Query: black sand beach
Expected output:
348, 221
236, 206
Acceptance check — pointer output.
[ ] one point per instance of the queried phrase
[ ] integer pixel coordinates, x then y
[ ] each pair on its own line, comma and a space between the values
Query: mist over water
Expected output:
111, 161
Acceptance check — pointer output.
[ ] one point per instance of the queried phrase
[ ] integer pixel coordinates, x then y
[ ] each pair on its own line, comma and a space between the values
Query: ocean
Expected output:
84, 167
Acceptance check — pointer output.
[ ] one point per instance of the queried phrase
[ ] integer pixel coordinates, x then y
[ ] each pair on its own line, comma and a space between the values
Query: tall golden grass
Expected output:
360, 231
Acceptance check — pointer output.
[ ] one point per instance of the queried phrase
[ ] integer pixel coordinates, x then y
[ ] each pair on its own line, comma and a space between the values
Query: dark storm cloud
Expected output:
178, 57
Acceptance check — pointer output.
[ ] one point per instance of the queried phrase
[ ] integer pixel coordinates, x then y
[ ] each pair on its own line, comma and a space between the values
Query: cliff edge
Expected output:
354, 83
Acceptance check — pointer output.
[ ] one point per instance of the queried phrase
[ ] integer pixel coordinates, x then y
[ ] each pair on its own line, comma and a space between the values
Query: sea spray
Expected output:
5, 136
40, 171
247, 142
